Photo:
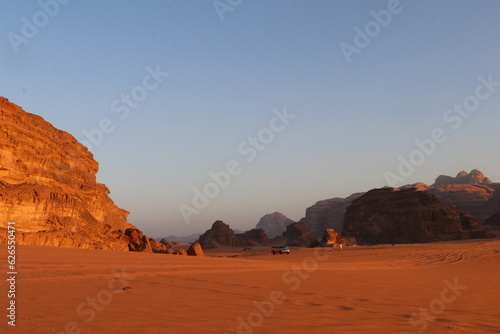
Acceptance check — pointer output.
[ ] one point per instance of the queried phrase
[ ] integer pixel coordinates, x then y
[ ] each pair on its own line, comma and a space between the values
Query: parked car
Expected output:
280, 250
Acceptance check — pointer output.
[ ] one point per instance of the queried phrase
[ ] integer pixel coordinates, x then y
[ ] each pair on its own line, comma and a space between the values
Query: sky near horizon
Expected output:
228, 110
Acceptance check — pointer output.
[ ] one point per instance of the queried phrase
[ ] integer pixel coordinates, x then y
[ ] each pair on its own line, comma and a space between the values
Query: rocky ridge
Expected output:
471, 192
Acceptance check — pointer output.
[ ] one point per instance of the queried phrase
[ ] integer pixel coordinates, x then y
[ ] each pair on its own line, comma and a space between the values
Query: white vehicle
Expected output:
280, 250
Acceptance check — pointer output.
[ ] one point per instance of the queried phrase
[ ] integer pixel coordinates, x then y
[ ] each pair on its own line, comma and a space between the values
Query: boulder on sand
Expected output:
195, 250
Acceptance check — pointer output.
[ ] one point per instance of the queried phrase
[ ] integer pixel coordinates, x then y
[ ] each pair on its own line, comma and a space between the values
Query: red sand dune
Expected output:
431, 288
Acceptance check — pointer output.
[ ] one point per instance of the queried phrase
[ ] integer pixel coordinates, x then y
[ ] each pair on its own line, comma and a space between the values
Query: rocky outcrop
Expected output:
252, 238
330, 237
333, 238
221, 235
138, 242
48, 188
158, 247
195, 250
274, 224
297, 235
327, 214
407, 216
180, 251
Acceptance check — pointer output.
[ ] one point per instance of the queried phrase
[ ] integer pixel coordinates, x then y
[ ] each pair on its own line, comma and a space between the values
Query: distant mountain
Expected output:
327, 214
221, 235
274, 224
474, 177
189, 239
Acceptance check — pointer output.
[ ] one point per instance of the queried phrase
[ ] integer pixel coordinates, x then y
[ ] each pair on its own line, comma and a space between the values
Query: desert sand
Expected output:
434, 288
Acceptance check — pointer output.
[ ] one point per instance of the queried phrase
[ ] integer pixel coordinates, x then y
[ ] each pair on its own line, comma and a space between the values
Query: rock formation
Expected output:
274, 224
219, 235
158, 247
333, 238
222, 235
327, 214
138, 242
297, 235
195, 250
330, 237
48, 188
180, 251
407, 216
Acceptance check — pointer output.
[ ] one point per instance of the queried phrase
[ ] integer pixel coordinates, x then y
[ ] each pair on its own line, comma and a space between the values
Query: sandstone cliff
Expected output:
407, 216
48, 188
274, 224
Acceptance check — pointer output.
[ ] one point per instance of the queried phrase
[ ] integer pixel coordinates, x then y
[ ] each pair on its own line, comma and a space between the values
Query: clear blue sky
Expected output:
353, 119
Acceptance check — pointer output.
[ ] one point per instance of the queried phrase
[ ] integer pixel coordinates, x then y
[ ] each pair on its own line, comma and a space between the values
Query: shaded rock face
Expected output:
327, 214
48, 187
222, 235
219, 235
195, 250
274, 224
252, 238
297, 234
494, 221
407, 216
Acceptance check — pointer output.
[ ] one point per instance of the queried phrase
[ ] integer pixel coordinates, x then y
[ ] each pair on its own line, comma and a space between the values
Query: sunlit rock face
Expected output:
48, 187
